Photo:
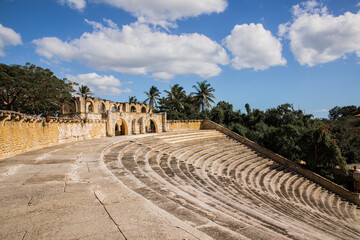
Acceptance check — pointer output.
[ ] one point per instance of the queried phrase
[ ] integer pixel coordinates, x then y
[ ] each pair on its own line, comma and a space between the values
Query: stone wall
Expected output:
21, 133
134, 122
183, 125
353, 197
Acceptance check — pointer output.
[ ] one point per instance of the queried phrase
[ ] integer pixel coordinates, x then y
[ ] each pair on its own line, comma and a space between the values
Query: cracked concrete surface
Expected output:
66, 192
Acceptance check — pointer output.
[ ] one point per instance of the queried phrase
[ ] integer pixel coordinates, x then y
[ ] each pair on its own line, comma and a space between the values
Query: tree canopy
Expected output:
33, 90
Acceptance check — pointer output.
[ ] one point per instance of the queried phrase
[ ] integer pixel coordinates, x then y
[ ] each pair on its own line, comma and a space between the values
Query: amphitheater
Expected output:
191, 180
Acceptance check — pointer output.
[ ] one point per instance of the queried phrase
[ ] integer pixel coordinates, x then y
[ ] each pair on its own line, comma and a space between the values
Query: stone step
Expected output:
224, 187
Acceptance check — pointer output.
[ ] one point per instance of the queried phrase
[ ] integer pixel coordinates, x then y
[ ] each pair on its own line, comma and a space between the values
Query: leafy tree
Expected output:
152, 96
248, 109
337, 112
217, 115
13, 85
203, 95
321, 150
33, 90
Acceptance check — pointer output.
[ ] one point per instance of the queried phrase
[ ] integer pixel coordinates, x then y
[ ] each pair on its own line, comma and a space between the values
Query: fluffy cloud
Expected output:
254, 47
8, 37
318, 37
160, 12
74, 4
108, 85
138, 49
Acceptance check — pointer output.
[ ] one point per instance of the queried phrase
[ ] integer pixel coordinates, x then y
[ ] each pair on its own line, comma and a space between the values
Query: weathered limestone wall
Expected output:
135, 122
353, 197
21, 133
183, 125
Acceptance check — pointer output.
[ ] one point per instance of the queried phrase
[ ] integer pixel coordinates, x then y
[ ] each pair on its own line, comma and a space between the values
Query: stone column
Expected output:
142, 125
164, 122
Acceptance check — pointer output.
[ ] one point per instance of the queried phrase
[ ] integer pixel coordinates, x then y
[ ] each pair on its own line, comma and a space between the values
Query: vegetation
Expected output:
85, 92
152, 96
203, 95
33, 90
133, 99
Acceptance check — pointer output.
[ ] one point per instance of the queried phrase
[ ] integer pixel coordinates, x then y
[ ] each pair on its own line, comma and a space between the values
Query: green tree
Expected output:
248, 109
133, 100
152, 96
176, 97
14, 86
203, 95
338, 112
33, 90
84, 91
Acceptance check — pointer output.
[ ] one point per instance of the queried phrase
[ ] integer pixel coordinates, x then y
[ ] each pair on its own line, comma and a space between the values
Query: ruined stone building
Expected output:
121, 118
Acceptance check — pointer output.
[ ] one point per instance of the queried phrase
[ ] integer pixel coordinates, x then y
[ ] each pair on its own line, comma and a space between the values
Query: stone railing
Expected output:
353, 197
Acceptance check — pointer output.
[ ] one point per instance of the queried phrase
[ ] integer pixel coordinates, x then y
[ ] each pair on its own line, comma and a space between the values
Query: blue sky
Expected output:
260, 52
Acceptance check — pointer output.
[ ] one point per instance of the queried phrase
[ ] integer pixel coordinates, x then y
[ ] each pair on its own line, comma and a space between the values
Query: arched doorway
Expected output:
143, 109
101, 108
121, 128
151, 126
133, 109
89, 107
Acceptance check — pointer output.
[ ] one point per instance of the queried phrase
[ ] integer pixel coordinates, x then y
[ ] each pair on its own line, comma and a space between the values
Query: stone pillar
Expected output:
126, 107
164, 122
109, 129
142, 125
133, 126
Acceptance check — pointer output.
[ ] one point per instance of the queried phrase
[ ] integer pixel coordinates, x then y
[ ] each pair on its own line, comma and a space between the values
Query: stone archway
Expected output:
152, 126
89, 107
121, 127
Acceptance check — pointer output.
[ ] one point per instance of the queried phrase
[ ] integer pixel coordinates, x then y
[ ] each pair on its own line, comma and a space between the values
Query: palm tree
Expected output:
176, 96
203, 95
153, 96
85, 92
133, 99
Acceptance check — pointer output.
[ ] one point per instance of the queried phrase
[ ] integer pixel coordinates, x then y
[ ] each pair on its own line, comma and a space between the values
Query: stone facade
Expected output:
85, 119
121, 118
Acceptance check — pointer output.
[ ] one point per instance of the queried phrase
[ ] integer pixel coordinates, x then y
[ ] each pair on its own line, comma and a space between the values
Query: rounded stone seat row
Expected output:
227, 190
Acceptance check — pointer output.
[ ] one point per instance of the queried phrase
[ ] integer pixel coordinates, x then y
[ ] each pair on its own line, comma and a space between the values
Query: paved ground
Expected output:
66, 192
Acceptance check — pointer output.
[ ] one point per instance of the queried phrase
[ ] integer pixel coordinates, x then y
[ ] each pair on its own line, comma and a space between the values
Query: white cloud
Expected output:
74, 4
138, 49
254, 47
163, 12
321, 111
106, 84
318, 37
8, 37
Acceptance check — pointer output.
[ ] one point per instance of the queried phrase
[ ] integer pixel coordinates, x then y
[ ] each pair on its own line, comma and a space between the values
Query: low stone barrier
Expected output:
350, 196
21, 133
183, 125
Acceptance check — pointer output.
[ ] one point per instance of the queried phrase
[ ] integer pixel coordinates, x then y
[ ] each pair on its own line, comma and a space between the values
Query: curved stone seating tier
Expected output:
229, 191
